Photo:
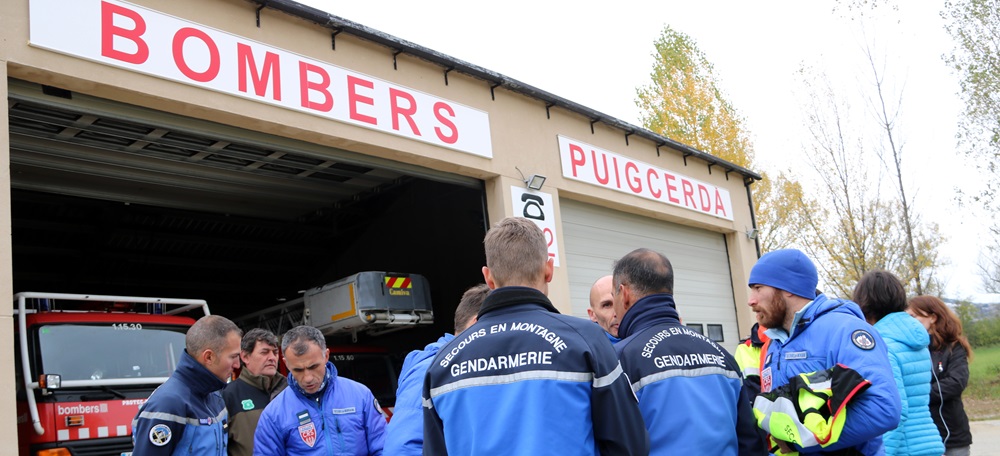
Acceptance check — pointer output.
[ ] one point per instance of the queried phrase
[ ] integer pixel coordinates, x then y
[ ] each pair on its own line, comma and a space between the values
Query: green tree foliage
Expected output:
981, 329
975, 27
989, 265
684, 102
967, 312
783, 206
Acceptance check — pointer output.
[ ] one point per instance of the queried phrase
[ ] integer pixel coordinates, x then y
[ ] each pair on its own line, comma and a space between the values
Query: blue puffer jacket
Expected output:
907, 342
405, 433
186, 415
673, 369
343, 421
833, 331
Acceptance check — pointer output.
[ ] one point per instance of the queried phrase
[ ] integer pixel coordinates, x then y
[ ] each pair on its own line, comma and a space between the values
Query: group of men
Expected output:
526, 380
313, 411
518, 377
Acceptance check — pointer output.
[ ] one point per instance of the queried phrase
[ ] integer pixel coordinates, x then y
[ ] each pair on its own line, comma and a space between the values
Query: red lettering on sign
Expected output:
630, 180
308, 86
719, 204
614, 164
550, 238
395, 110
109, 31
260, 76
688, 193
597, 173
353, 98
213, 53
445, 122
704, 197
671, 188
650, 175
577, 158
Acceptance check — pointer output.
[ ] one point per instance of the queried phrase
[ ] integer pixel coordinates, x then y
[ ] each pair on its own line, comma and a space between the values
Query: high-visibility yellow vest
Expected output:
820, 398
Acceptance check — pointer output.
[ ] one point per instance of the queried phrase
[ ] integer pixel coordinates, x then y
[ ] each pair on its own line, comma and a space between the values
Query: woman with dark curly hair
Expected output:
950, 356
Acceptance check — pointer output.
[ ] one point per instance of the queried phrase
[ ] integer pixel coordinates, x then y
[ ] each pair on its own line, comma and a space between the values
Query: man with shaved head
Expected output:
602, 307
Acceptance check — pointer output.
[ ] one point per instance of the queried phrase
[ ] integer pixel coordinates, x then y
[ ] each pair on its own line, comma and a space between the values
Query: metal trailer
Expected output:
371, 302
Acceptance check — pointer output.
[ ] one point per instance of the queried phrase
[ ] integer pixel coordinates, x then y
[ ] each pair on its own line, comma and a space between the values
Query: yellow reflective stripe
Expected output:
779, 418
747, 358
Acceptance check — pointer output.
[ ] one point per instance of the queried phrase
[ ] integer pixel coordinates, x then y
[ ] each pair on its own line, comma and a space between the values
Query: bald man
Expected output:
602, 307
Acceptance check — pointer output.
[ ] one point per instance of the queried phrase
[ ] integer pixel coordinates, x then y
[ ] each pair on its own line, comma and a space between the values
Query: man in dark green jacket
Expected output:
259, 382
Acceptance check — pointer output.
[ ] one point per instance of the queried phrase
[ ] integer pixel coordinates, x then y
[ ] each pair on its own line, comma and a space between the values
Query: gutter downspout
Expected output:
753, 217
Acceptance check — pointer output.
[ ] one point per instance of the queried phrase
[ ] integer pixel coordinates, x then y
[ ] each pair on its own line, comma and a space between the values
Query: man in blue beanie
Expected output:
811, 333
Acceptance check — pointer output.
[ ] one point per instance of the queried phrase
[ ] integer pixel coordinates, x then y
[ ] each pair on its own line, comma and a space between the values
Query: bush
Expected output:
984, 332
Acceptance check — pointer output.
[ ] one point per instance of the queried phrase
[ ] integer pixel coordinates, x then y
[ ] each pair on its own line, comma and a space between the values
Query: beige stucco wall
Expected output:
8, 426
523, 136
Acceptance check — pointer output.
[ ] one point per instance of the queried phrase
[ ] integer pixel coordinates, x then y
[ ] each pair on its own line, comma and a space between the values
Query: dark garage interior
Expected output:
119, 200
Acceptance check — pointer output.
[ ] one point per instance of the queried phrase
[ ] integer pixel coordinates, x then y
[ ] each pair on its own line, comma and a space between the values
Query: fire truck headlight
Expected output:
50, 381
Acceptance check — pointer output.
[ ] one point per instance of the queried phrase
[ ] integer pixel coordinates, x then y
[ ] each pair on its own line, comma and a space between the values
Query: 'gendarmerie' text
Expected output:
500, 362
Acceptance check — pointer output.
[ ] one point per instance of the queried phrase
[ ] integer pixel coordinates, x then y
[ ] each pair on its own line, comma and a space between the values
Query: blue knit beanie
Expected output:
787, 269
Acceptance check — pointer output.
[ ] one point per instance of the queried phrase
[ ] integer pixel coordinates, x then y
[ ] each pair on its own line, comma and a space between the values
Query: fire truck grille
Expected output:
113, 446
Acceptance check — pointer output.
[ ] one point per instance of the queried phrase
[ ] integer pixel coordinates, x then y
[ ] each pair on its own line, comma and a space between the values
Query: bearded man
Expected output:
812, 333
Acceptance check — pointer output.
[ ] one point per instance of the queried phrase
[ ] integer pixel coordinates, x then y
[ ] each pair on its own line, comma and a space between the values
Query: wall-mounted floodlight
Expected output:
535, 181
752, 233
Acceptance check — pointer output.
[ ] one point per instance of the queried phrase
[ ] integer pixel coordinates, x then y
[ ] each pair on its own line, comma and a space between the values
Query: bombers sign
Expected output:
583, 162
138, 39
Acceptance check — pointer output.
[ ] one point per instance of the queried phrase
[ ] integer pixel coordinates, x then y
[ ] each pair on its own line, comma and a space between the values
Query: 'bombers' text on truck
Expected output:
86, 363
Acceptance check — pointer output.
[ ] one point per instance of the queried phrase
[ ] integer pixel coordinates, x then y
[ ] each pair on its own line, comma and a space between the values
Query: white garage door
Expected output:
596, 236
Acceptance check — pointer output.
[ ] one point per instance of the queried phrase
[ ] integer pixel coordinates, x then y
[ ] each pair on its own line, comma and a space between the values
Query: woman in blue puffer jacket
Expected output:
883, 301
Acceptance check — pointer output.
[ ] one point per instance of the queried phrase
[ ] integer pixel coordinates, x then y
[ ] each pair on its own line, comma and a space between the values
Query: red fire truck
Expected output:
86, 363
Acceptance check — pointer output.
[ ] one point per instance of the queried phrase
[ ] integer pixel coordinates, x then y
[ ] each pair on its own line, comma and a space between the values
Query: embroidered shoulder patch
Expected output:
863, 339
379, 408
308, 433
248, 404
160, 435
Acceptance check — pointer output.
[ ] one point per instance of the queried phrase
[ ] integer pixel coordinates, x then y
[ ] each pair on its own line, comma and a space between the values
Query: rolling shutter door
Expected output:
597, 236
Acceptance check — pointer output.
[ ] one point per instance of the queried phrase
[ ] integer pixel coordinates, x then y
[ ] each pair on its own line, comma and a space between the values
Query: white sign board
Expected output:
590, 164
128, 36
537, 207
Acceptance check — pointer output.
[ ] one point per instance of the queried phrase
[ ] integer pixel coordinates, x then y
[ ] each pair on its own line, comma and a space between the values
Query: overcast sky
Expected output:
598, 55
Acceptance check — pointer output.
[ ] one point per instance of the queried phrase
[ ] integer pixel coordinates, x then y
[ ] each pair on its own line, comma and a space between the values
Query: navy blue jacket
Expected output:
526, 380
685, 381
184, 416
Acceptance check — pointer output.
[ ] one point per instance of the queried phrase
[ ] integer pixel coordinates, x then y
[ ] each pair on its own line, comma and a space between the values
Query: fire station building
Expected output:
240, 151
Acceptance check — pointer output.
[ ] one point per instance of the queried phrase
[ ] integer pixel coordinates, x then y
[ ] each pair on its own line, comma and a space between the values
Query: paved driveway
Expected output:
985, 437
